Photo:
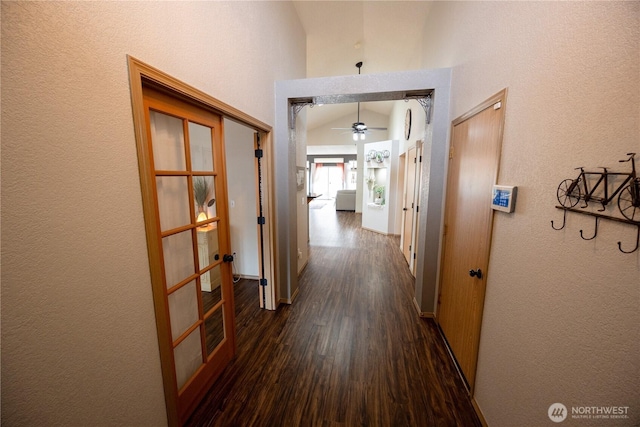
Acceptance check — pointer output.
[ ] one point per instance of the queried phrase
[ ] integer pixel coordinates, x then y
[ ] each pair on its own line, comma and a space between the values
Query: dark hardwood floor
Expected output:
350, 351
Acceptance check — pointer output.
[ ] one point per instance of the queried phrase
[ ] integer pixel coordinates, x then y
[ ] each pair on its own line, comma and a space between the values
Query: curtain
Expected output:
316, 171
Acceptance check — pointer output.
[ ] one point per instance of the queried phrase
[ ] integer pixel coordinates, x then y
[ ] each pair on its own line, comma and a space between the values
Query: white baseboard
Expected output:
425, 314
289, 300
247, 276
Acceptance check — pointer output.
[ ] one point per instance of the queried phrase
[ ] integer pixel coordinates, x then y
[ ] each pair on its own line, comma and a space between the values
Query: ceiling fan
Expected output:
359, 129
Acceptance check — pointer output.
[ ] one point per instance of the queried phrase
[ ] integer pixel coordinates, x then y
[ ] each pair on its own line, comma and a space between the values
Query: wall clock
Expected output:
407, 124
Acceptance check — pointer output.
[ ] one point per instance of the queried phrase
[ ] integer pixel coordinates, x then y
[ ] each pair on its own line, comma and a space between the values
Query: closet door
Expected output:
410, 204
474, 159
408, 207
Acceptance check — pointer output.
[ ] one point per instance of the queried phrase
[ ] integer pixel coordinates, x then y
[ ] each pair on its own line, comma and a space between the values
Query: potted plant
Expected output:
378, 190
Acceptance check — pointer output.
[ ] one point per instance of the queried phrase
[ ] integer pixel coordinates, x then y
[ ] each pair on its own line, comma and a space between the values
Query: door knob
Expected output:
476, 273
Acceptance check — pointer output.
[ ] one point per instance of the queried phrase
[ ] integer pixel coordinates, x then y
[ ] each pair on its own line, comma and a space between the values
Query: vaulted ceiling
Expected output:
385, 35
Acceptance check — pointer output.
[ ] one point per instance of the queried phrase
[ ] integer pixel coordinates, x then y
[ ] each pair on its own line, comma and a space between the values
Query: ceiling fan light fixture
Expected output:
358, 129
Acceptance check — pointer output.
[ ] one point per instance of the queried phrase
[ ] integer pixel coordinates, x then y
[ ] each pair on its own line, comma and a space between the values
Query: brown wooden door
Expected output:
473, 167
408, 207
192, 285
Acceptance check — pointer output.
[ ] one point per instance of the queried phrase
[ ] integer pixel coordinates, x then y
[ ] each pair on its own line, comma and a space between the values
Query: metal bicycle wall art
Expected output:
603, 187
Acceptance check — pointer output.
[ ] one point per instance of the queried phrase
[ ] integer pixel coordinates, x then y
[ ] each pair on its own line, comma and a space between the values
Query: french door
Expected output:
327, 180
192, 282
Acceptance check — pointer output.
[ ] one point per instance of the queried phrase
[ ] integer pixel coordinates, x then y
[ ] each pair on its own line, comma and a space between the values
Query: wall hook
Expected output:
595, 233
564, 221
634, 249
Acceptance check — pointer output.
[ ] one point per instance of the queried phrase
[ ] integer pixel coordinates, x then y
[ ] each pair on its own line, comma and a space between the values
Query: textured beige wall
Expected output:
78, 331
561, 315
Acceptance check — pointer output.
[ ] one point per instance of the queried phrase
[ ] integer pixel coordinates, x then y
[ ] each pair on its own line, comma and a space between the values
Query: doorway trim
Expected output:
366, 87
143, 74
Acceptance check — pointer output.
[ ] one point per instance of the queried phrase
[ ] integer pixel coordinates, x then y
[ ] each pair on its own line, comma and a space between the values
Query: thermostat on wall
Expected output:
504, 198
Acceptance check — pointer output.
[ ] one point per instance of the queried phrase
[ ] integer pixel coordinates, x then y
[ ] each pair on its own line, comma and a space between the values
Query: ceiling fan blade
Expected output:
377, 128
341, 128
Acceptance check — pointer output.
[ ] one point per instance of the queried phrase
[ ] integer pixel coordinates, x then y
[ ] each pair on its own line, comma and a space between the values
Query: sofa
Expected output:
346, 200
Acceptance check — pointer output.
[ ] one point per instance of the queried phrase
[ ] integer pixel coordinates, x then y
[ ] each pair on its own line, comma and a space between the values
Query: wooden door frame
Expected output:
498, 97
268, 294
141, 74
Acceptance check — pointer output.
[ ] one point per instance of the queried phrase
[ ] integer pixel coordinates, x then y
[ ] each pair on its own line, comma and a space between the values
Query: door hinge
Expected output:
414, 255
445, 230
263, 282
259, 153
261, 220
451, 153
417, 208
420, 159
411, 205
409, 248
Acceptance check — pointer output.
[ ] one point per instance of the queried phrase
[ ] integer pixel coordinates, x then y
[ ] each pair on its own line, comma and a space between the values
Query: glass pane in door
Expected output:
336, 179
188, 357
211, 289
167, 136
173, 202
204, 197
214, 329
320, 179
177, 251
207, 245
183, 309
201, 146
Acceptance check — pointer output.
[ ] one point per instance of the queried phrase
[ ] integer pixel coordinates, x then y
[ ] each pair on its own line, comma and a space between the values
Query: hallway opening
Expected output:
350, 351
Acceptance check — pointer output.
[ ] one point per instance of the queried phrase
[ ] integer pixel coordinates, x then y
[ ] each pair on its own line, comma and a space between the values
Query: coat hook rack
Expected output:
573, 190
595, 233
